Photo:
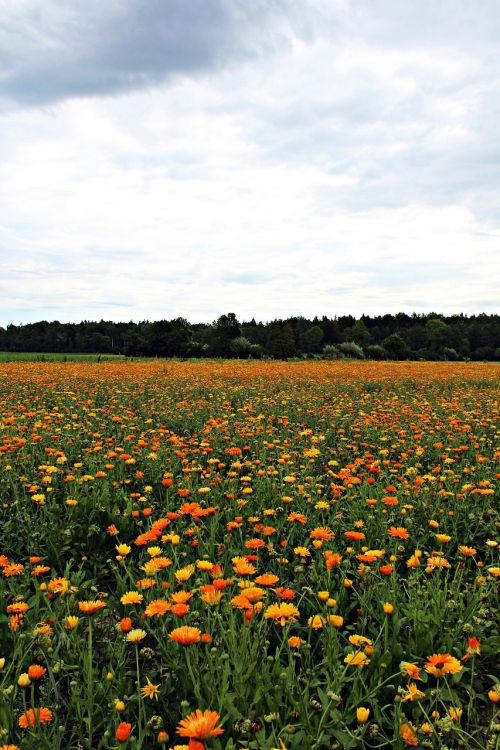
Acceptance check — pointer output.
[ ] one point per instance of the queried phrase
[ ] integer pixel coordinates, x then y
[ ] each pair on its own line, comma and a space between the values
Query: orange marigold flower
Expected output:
267, 579
123, 731
398, 532
38, 570
282, 592
186, 635
354, 536
441, 664
34, 716
157, 608
467, 551
17, 608
254, 543
89, 607
332, 559
125, 625
36, 671
386, 570
322, 532
407, 734
58, 586
200, 725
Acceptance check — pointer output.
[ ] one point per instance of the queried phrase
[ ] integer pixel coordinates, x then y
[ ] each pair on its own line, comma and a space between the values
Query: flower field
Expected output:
290, 556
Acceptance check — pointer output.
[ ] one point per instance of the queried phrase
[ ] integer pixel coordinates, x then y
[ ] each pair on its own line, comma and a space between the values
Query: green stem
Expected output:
90, 681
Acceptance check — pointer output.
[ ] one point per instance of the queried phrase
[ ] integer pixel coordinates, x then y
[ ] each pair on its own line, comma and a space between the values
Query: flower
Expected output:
157, 608
90, 608
398, 532
123, 731
123, 549
283, 613
136, 635
186, 635
407, 734
200, 725
356, 659
336, 620
149, 690
413, 693
441, 664
494, 694
36, 672
316, 622
71, 622
34, 716
388, 608
24, 680
455, 713
131, 597
362, 714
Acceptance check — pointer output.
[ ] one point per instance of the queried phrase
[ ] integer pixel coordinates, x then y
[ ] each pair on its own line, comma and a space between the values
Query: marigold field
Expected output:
249, 555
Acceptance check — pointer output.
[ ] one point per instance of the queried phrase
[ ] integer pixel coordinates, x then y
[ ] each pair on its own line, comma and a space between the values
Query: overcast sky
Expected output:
164, 158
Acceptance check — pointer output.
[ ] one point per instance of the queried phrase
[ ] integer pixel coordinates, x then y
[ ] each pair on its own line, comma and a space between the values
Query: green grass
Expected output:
57, 357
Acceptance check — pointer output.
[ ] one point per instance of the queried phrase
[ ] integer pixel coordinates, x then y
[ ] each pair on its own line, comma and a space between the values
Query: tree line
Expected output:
418, 336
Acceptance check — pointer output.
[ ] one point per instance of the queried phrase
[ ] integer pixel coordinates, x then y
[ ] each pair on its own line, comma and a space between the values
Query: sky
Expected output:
166, 158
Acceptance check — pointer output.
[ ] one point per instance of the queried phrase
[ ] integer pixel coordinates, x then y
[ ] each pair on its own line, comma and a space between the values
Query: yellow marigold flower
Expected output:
388, 608
356, 659
413, 693
184, 574
443, 538
131, 597
362, 714
136, 635
71, 622
455, 713
123, 549
153, 551
24, 680
302, 551
119, 706
149, 690
336, 620
204, 565
316, 622
360, 641
282, 613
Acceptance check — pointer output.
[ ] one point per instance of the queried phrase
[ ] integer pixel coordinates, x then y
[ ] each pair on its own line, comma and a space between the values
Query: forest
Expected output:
396, 337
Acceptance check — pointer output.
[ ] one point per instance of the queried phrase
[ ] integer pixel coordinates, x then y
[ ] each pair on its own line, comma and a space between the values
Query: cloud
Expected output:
270, 158
53, 51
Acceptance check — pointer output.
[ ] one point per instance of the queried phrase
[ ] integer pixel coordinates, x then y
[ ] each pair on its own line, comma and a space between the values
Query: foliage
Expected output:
431, 336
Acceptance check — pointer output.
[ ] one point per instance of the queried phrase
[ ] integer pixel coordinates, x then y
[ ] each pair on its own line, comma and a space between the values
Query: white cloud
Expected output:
351, 171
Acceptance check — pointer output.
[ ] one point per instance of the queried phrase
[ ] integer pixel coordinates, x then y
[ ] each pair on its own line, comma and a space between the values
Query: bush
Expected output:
374, 351
352, 350
330, 351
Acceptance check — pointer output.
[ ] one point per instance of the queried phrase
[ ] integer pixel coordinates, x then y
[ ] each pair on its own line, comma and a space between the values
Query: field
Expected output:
303, 553
56, 357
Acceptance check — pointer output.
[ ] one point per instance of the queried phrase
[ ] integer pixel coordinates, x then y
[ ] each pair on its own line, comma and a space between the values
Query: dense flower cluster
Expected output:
282, 553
